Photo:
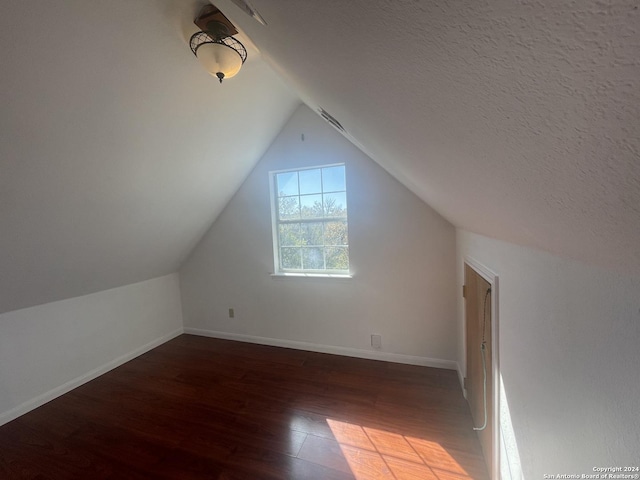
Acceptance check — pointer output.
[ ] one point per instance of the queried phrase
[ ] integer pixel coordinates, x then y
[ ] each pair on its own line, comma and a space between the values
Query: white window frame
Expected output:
275, 222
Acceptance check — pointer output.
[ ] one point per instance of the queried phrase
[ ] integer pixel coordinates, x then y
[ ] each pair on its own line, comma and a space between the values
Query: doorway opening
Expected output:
481, 350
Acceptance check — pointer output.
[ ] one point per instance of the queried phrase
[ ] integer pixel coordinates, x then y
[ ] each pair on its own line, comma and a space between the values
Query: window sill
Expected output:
312, 275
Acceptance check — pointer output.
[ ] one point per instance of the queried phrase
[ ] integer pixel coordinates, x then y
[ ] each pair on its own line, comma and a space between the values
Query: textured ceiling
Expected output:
519, 120
117, 150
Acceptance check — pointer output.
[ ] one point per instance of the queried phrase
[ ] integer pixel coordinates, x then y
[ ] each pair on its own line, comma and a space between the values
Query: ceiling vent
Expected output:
249, 10
323, 113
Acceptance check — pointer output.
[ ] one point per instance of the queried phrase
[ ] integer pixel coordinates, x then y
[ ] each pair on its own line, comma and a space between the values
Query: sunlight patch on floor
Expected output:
377, 454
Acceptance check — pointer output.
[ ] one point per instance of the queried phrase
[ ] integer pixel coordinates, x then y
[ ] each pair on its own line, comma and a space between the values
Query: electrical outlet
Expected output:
376, 341
232, 313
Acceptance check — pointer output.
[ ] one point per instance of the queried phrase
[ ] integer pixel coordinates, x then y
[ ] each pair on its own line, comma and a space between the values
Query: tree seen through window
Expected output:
311, 220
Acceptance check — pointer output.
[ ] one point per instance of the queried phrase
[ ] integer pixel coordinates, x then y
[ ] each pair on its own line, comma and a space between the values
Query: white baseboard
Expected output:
36, 402
314, 347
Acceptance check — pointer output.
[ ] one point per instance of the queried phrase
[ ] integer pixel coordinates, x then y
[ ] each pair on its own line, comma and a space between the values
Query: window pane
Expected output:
289, 208
312, 258
310, 223
290, 258
333, 179
287, 183
335, 233
289, 234
310, 181
335, 204
337, 258
311, 234
311, 206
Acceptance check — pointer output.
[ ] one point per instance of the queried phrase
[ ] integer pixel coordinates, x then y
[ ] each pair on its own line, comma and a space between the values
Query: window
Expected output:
309, 217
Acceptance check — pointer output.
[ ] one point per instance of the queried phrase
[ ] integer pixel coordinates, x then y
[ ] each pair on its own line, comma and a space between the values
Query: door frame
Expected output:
491, 277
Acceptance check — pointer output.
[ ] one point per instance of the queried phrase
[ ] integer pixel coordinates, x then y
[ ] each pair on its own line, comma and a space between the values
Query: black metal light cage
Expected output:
201, 38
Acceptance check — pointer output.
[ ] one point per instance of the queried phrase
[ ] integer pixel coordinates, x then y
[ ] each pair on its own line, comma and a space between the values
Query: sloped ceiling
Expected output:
519, 120
117, 150
516, 120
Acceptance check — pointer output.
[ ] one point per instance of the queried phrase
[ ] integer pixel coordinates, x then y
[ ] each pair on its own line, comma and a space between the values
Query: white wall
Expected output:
569, 357
402, 256
47, 350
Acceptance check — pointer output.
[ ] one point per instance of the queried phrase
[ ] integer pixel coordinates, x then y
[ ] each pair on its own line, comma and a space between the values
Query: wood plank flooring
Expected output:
203, 408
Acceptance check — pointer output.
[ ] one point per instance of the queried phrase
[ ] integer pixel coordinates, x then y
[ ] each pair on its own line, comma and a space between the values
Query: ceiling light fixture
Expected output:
220, 54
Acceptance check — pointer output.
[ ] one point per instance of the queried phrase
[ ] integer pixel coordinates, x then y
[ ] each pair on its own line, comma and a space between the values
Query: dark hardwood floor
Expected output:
199, 407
